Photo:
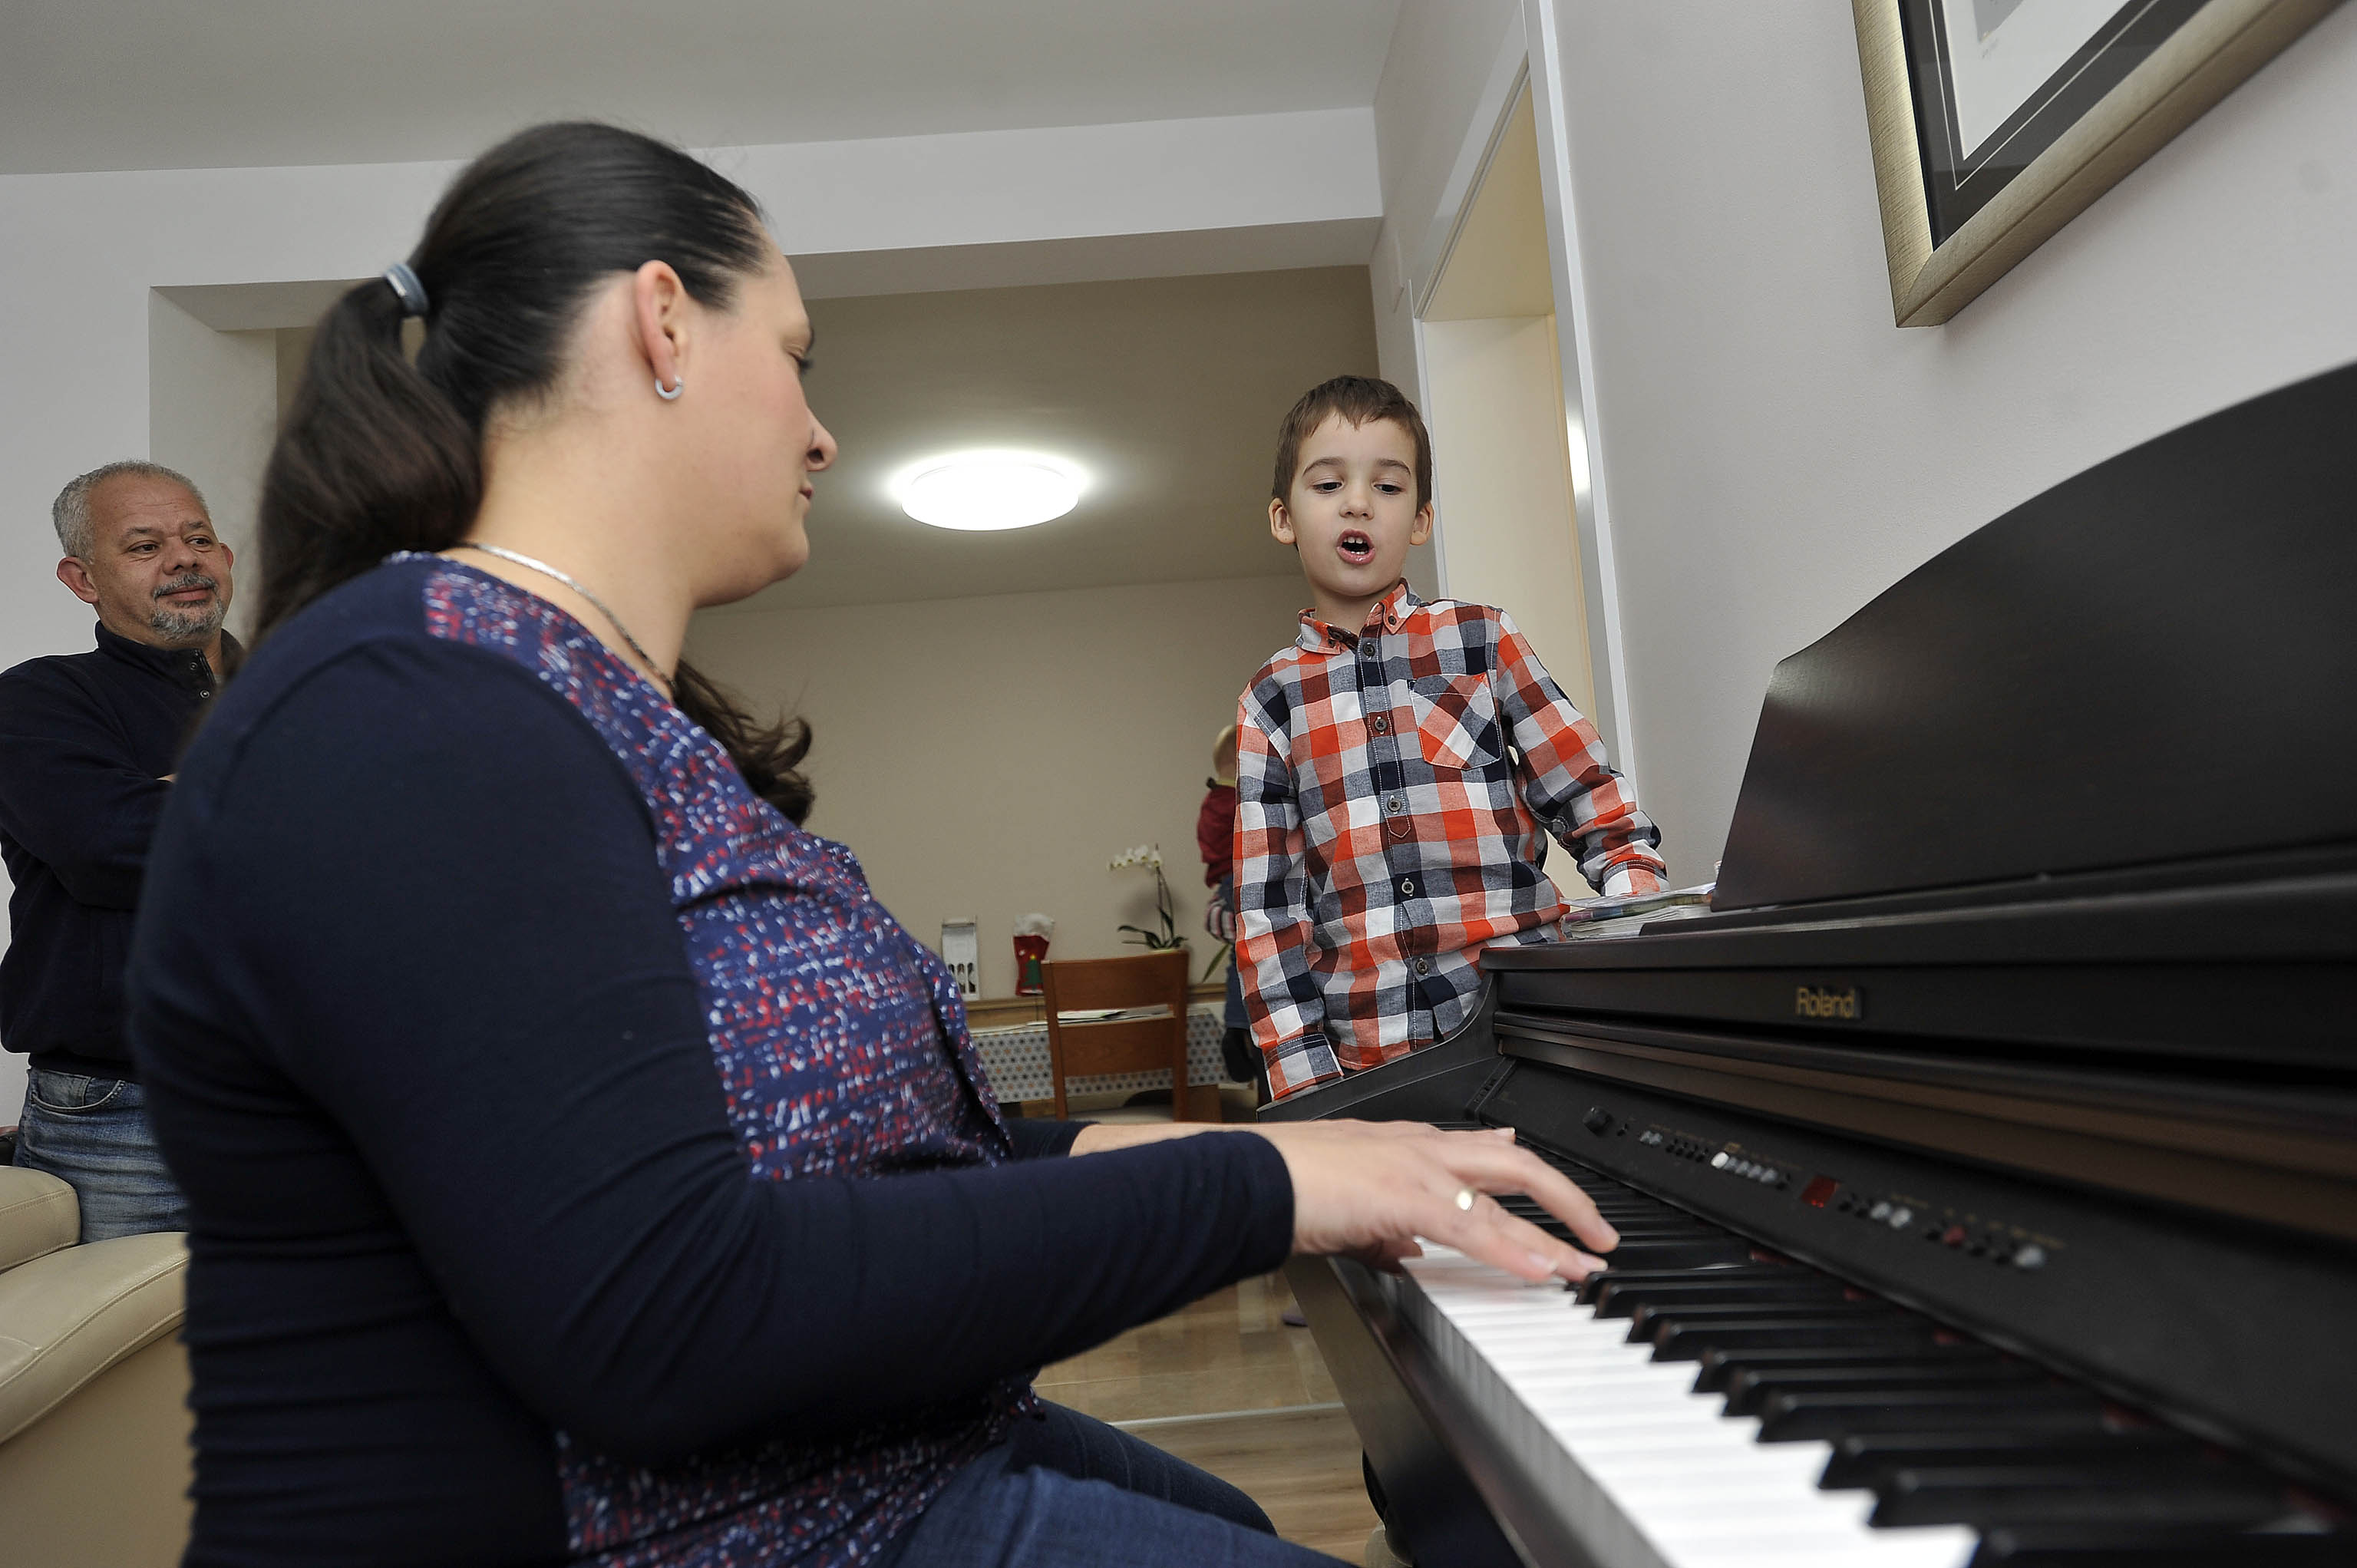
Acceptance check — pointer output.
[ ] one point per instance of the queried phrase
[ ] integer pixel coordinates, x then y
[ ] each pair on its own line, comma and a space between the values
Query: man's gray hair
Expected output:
70, 510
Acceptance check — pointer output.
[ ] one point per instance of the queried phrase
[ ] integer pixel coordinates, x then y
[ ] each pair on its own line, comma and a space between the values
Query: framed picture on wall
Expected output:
1997, 122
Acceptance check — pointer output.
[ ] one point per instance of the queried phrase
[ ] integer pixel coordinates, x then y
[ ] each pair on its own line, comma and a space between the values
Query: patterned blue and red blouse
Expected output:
454, 928
827, 1025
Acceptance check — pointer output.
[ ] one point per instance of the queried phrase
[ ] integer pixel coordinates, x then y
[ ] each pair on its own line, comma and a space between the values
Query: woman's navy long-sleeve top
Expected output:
583, 1165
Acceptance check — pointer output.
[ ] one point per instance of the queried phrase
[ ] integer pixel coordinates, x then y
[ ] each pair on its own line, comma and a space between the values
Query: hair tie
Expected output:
406, 288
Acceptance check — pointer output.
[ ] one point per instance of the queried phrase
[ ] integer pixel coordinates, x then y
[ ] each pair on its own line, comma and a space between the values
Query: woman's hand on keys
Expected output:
1369, 1190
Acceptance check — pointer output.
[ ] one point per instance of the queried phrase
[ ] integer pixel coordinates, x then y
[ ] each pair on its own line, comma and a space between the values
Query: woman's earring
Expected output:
670, 394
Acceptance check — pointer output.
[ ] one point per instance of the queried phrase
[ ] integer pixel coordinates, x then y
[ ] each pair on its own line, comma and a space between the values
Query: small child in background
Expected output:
1398, 766
1215, 838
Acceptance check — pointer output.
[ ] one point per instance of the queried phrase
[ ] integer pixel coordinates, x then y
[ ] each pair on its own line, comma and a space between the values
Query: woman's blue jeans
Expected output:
1070, 1492
93, 1134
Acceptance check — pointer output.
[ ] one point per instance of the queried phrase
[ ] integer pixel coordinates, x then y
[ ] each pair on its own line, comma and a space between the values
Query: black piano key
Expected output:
1621, 1298
1863, 1458
1645, 1231
1720, 1366
1699, 1255
1618, 1213
1619, 1216
1796, 1417
1649, 1320
1749, 1391
1988, 1497
2112, 1546
1692, 1341
1593, 1284
1658, 1246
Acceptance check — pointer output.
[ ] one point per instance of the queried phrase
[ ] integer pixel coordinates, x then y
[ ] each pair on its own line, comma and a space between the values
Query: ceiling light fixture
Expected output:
981, 491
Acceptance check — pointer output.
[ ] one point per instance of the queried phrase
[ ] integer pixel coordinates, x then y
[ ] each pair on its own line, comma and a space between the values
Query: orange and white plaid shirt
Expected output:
1391, 790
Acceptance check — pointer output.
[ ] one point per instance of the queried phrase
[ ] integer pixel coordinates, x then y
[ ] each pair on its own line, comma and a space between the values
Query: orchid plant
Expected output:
1166, 912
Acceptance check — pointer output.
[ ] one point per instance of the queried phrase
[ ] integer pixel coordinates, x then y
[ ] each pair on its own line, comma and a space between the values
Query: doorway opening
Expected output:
1508, 530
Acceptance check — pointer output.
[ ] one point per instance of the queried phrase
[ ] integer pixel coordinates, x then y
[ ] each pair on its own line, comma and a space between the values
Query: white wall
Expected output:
212, 412
1776, 452
987, 757
1497, 433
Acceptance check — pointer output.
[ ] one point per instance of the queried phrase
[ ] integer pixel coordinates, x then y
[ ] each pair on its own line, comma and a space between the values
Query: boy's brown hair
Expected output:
1357, 399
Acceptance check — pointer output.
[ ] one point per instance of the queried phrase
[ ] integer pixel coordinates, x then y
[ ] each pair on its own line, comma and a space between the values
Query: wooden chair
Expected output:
1138, 1044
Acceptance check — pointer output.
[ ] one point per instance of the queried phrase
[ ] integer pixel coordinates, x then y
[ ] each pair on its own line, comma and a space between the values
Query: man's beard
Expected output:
188, 625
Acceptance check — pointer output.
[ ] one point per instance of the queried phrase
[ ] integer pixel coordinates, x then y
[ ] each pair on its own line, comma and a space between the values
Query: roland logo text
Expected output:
1817, 1001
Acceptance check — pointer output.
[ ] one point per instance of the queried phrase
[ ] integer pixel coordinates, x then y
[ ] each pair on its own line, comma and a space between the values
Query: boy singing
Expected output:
1395, 768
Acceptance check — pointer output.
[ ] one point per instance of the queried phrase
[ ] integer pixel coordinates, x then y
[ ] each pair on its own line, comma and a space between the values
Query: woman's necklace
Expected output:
545, 570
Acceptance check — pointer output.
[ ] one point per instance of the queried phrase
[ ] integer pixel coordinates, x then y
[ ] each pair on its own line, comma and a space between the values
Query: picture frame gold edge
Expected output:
1890, 132
2221, 47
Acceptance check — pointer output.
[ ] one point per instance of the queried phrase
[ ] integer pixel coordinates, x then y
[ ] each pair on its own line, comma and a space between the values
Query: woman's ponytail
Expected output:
380, 454
371, 460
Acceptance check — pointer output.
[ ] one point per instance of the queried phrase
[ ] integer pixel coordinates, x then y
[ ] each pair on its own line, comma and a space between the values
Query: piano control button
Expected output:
1597, 1120
1954, 1235
1879, 1211
1898, 1218
2032, 1256
1721, 1160
1769, 1175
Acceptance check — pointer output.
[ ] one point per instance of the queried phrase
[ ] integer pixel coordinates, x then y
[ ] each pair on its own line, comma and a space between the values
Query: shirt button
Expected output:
1383, 725
1424, 966
1395, 803
1407, 886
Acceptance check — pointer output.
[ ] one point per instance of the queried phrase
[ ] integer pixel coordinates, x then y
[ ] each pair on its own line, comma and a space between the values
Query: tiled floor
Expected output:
1226, 1385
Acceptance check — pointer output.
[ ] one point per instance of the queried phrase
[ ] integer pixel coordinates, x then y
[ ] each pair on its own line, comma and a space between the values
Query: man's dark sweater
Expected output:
85, 741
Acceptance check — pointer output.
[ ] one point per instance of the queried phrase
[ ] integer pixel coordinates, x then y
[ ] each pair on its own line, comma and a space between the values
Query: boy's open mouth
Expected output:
1356, 546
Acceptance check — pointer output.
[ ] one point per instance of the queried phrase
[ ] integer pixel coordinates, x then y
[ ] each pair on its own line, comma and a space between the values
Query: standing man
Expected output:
87, 744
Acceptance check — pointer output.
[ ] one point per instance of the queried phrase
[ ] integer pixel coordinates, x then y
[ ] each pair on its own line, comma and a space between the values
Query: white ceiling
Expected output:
129, 84
1168, 391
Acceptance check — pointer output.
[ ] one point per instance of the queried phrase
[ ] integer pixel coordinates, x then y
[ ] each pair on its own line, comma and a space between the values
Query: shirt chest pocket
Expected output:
1455, 721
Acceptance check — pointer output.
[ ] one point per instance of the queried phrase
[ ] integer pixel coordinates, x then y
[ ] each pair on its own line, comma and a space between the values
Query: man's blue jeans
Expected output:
1071, 1492
92, 1133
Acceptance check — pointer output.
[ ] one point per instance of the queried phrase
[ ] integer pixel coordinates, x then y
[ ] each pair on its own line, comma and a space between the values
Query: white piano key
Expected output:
1653, 1475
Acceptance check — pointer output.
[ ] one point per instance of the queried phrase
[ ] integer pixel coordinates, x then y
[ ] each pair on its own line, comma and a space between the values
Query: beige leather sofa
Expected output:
94, 1388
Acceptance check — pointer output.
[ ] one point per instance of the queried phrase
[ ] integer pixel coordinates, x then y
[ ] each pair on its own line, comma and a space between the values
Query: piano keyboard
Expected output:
1703, 1405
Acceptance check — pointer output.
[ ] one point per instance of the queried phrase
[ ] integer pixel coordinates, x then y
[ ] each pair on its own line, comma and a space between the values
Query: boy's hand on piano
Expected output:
1369, 1190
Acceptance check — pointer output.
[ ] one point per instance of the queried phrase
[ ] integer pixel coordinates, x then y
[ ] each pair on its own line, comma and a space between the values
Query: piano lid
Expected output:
2154, 661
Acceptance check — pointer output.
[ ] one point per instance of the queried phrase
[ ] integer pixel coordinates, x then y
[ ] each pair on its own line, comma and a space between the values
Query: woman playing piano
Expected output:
584, 1167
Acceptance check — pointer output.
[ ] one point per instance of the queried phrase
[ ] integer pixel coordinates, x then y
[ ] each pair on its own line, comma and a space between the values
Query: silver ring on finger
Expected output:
1465, 1196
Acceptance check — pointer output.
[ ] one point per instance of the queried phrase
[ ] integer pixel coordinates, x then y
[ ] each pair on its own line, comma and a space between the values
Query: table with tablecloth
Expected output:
1015, 1057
